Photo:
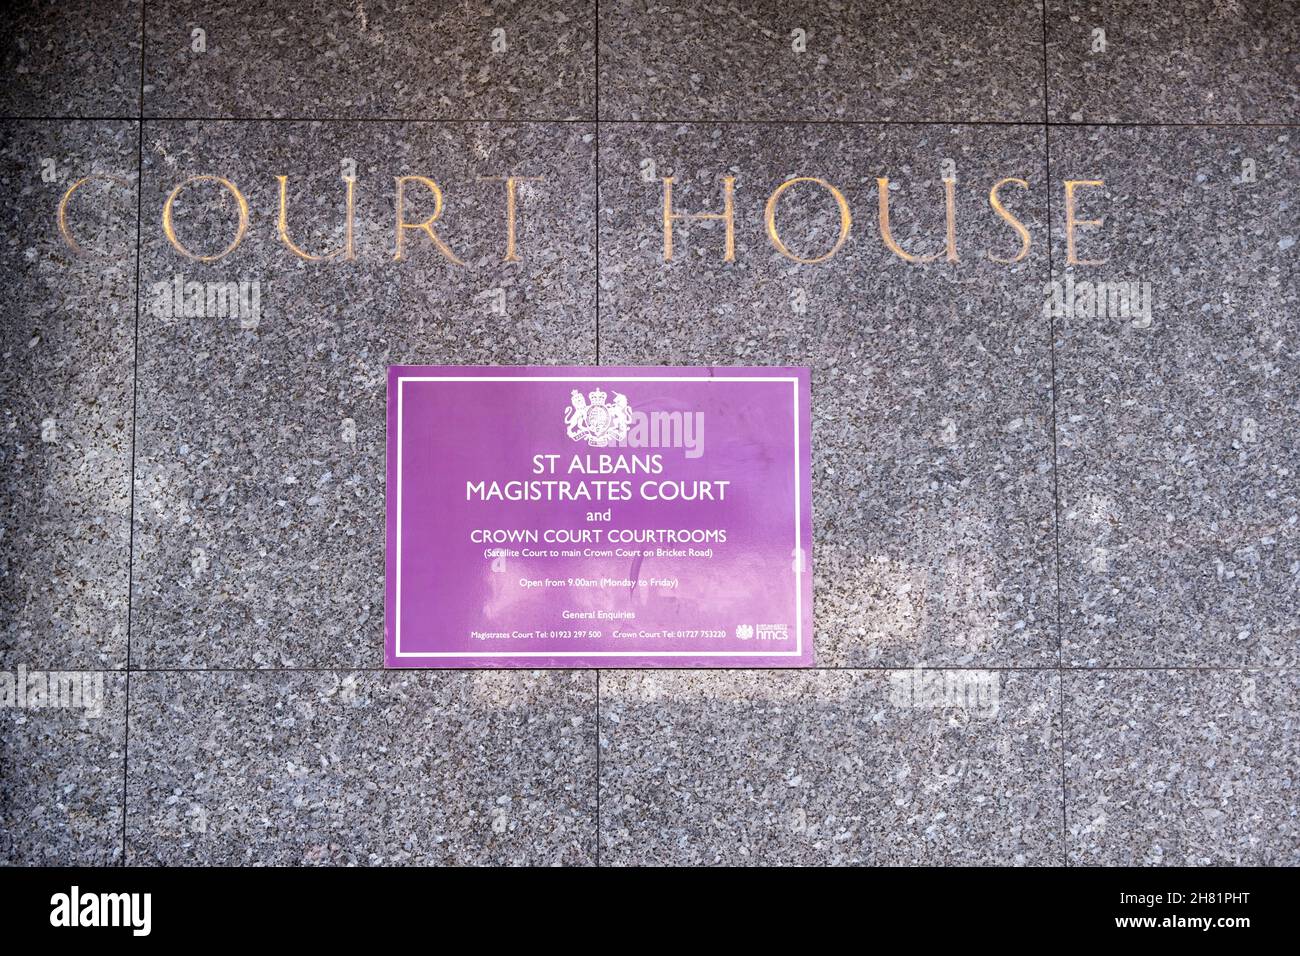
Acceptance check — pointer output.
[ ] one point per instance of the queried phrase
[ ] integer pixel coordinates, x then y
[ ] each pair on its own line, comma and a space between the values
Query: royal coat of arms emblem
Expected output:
591, 420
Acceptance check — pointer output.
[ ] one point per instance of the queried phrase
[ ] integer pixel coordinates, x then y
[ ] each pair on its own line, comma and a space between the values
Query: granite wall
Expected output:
1057, 554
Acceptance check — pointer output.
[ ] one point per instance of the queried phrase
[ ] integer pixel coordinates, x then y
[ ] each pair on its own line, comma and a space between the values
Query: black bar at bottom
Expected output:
335, 906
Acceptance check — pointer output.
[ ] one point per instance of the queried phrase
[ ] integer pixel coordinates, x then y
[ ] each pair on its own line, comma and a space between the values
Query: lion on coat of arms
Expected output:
591, 420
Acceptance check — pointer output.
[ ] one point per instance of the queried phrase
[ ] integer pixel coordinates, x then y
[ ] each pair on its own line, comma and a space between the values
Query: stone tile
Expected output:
826, 767
260, 468
1182, 768
401, 59
1198, 61
1178, 465
71, 59
976, 60
61, 768
67, 328
468, 767
330, 767
229, 768
932, 458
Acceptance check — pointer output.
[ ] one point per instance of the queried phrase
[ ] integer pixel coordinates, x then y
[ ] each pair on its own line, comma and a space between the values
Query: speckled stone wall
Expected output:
1057, 553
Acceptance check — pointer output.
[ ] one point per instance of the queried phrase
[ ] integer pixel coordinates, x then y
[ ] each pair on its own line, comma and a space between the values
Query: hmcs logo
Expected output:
591, 420
745, 631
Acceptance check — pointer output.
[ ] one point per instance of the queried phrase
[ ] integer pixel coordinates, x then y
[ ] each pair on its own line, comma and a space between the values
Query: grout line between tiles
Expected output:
1056, 458
848, 669
135, 392
533, 121
794, 121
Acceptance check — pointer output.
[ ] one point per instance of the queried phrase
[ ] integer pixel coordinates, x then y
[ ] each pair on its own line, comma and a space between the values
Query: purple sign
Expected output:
598, 517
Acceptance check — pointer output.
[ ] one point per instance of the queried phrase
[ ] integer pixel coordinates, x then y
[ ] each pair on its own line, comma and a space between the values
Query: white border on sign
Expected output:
798, 566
